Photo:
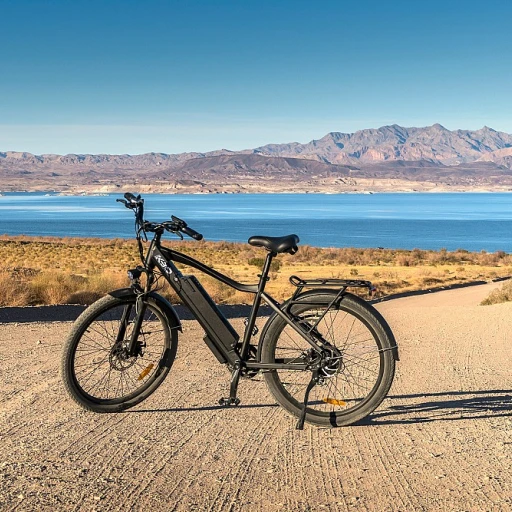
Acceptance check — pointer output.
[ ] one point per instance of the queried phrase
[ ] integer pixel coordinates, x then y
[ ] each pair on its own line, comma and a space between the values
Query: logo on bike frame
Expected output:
161, 261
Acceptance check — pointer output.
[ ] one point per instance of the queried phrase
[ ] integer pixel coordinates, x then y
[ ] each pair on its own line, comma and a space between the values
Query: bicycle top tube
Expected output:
170, 255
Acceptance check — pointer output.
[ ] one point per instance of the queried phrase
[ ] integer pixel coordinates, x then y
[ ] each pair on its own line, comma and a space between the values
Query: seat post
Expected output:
265, 271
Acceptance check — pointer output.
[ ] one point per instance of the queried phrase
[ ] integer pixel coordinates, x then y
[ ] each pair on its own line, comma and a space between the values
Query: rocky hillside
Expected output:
387, 158
389, 143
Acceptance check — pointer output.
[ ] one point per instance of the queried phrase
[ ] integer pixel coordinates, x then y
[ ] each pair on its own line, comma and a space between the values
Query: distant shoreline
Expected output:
266, 192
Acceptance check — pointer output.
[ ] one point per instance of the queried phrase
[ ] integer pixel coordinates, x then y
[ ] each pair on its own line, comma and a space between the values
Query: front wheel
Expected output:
97, 369
359, 375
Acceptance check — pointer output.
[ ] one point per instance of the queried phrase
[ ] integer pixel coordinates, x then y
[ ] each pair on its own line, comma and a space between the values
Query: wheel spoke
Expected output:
101, 366
352, 379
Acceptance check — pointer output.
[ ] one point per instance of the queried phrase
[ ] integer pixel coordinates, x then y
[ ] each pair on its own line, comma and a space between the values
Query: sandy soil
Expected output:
441, 441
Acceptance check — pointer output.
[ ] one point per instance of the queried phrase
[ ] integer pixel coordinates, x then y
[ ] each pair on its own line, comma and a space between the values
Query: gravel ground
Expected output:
440, 441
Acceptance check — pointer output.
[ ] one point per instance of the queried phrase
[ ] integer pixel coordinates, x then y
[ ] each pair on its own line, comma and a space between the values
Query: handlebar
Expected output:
182, 226
131, 201
192, 233
176, 225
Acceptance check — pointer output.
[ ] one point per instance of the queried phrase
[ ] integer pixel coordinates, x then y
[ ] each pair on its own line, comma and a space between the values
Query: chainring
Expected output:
247, 373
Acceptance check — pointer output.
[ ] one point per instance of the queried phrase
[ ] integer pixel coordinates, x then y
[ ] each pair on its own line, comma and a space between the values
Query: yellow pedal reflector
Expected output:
333, 401
146, 370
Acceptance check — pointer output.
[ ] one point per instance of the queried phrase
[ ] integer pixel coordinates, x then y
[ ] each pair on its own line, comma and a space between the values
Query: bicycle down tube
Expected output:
219, 333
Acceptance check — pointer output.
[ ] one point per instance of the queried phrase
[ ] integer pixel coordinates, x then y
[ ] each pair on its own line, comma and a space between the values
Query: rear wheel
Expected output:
361, 368
97, 370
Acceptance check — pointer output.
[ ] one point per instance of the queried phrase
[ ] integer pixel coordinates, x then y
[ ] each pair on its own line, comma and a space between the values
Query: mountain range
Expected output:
388, 158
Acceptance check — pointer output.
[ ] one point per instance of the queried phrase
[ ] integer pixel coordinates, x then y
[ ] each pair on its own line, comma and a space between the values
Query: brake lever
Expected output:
130, 206
181, 223
173, 228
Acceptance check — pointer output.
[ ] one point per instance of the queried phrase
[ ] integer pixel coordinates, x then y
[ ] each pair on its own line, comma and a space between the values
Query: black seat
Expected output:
277, 244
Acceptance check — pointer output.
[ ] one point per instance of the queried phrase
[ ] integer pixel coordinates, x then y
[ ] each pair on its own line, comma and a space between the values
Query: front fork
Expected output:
123, 324
140, 311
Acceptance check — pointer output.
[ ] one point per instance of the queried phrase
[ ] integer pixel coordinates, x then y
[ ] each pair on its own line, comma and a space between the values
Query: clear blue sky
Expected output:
109, 76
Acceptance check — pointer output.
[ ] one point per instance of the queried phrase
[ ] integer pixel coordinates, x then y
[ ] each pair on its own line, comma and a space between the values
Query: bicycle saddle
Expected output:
277, 244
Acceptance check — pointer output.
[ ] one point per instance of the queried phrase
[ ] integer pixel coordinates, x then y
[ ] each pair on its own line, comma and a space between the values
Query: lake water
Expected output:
426, 221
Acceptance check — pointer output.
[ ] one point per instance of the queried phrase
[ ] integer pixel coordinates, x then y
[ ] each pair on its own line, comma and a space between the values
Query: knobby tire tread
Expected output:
79, 327
371, 317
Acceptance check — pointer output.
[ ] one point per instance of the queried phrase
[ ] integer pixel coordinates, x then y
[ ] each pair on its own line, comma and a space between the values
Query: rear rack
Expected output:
340, 284
331, 283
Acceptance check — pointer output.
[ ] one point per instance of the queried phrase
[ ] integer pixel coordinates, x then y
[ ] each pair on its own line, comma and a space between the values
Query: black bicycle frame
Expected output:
225, 347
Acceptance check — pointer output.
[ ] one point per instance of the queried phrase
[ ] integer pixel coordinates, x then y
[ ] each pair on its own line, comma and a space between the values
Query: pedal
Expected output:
227, 402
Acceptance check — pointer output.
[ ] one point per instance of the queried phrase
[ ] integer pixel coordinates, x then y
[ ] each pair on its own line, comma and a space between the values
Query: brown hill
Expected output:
395, 142
387, 158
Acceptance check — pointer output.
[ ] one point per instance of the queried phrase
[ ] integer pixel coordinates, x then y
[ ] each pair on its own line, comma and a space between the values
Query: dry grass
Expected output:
57, 270
503, 294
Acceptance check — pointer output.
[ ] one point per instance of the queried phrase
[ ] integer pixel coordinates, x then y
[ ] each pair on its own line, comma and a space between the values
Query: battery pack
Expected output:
219, 331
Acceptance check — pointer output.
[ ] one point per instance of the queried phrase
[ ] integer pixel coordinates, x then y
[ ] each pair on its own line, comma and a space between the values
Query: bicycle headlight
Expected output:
134, 274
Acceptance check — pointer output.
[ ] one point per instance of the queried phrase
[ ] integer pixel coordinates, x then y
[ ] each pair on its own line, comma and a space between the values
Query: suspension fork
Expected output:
140, 305
124, 323
140, 310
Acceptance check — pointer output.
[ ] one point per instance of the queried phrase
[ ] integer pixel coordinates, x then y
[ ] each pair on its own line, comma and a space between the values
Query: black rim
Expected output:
353, 376
101, 368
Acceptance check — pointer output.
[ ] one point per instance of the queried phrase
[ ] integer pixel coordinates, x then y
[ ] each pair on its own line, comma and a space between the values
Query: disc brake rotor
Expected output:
119, 359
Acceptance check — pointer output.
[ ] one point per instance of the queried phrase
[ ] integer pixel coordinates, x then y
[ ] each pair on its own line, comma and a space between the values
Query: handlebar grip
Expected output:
193, 234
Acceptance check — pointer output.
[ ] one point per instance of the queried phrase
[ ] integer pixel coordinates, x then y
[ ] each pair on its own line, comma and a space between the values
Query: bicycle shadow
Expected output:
204, 408
465, 405
493, 403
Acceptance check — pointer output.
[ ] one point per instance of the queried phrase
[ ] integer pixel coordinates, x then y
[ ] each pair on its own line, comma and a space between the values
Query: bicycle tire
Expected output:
366, 344
92, 341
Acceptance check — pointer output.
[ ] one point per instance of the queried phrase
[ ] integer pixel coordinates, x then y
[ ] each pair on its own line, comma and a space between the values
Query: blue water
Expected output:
426, 221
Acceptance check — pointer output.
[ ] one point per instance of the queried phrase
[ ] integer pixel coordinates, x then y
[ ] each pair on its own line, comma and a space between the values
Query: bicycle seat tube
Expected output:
255, 307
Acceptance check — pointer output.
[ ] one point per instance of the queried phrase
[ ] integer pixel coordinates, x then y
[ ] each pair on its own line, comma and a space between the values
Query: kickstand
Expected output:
302, 417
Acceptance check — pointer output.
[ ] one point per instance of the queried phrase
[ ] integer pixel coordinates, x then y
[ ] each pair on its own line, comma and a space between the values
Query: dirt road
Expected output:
441, 441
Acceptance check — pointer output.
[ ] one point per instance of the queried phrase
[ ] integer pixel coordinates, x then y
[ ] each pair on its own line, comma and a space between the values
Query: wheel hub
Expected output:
331, 367
331, 363
119, 358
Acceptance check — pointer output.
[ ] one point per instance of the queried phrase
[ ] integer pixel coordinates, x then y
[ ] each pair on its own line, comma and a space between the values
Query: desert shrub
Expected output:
54, 287
308, 254
502, 294
101, 265
404, 260
22, 272
59, 287
96, 286
13, 292
107, 281
430, 281
84, 297
259, 262
218, 291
